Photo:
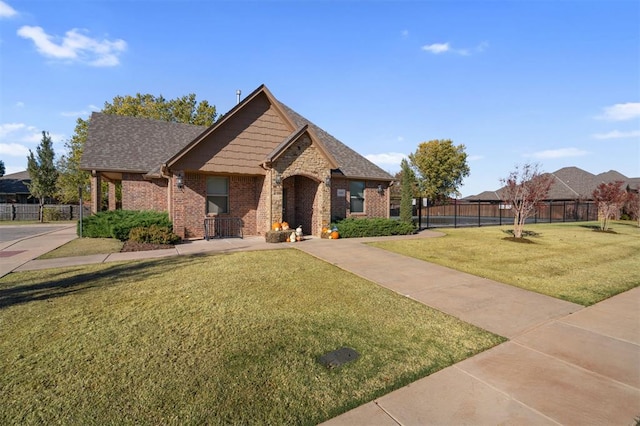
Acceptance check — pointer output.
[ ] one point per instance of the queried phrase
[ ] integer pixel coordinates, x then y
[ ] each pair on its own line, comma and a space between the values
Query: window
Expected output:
356, 188
217, 194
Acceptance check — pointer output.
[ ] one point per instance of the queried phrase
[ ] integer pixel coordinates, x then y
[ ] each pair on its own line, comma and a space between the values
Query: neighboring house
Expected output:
260, 163
14, 189
569, 184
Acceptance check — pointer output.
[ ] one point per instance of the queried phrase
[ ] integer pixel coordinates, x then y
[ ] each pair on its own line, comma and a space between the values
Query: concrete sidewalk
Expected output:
564, 364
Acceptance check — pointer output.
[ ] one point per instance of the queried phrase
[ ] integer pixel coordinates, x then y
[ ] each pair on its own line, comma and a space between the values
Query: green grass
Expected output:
568, 261
224, 339
85, 247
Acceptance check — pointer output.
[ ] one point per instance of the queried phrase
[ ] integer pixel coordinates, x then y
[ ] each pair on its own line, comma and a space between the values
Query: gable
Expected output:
238, 144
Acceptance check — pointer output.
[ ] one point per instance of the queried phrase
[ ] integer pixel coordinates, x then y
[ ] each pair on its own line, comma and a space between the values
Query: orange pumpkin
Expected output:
325, 229
335, 235
285, 226
276, 226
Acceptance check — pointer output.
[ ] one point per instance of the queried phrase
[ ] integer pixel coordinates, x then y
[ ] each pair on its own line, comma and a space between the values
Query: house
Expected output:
258, 164
569, 184
14, 189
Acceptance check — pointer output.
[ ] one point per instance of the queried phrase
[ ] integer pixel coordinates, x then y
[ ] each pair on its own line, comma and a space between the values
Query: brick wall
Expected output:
142, 194
190, 202
375, 204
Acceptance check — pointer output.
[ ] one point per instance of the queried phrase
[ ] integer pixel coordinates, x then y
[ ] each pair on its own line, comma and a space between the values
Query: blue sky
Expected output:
553, 82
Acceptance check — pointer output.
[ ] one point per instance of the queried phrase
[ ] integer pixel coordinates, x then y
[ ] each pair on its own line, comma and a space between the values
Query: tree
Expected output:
2, 168
440, 168
406, 192
42, 171
609, 198
633, 205
180, 110
524, 189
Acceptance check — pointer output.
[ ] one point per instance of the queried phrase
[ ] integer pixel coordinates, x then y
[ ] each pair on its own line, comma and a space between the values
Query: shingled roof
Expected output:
350, 163
570, 183
15, 183
133, 144
141, 145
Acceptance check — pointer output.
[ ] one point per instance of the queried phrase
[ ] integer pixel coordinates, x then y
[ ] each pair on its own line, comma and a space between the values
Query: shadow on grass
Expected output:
59, 284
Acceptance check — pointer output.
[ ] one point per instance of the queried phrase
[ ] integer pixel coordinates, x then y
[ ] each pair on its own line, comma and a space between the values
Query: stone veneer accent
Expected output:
312, 197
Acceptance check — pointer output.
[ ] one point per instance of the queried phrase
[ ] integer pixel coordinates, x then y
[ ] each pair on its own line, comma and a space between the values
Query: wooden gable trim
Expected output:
262, 89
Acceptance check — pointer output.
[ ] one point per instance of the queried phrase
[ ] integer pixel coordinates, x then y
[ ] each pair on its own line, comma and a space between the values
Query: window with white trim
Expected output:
217, 195
356, 200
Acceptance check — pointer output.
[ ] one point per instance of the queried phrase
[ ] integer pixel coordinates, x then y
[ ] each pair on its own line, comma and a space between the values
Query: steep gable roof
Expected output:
347, 161
350, 163
133, 144
15, 183
140, 145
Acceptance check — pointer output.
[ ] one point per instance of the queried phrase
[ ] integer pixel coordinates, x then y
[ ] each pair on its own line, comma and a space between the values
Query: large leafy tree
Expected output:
185, 109
42, 171
440, 167
2, 169
525, 188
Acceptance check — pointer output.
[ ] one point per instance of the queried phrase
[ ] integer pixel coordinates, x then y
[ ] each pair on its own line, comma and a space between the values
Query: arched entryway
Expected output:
300, 203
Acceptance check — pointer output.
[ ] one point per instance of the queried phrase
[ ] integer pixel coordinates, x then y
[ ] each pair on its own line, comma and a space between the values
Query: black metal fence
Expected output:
52, 212
222, 227
465, 214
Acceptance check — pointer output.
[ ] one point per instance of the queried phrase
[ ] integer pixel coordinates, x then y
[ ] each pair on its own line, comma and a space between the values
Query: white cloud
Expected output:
386, 159
19, 104
13, 169
616, 134
621, 112
8, 128
75, 46
559, 153
405, 33
6, 11
13, 150
84, 112
436, 48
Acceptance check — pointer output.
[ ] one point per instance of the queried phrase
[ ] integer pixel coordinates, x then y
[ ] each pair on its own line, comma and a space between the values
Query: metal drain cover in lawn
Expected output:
338, 357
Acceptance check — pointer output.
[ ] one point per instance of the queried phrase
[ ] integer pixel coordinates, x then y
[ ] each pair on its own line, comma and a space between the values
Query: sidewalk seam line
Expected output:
591, 372
591, 331
506, 394
387, 413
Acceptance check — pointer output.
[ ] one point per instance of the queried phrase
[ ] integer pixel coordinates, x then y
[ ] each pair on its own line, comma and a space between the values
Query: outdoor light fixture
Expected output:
327, 181
278, 179
179, 181
380, 190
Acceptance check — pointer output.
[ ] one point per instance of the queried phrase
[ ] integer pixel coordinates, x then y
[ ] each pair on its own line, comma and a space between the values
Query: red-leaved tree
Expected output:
524, 189
633, 205
609, 198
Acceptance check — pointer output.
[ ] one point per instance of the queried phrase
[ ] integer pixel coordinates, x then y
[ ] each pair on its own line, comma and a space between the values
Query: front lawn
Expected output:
569, 261
221, 339
85, 247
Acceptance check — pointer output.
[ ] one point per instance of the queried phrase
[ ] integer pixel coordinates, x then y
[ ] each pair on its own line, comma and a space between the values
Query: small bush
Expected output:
119, 223
51, 214
153, 234
353, 228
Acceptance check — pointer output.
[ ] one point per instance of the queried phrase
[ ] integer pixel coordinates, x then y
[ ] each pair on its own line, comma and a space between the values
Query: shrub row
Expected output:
353, 227
154, 234
119, 223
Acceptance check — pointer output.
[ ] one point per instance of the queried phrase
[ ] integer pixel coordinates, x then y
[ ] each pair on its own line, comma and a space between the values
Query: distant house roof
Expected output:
15, 183
570, 183
140, 145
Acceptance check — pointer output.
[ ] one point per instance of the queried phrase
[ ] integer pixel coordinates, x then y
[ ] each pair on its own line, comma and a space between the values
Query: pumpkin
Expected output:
285, 226
276, 226
335, 235
325, 229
